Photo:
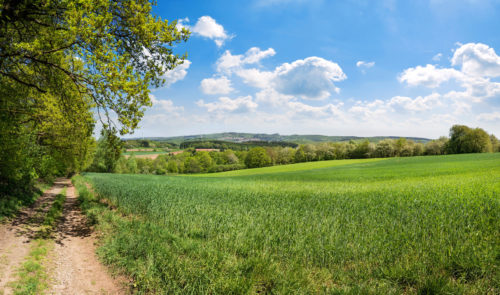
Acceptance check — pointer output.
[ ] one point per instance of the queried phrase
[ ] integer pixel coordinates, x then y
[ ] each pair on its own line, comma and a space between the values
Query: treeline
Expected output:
462, 140
237, 146
146, 143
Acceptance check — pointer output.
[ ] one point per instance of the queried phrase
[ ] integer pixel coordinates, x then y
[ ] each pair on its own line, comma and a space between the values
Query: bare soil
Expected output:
73, 267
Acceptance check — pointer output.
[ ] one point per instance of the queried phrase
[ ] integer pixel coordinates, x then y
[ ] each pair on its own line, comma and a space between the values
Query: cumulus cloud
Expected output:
229, 63
418, 104
364, 65
256, 78
477, 59
220, 85
429, 76
478, 64
177, 74
271, 97
164, 106
242, 104
254, 55
310, 78
284, 92
302, 109
206, 27
370, 111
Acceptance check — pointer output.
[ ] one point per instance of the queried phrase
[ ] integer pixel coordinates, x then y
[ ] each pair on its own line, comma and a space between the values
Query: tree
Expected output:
285, 155
110, 52
191, 165
466, 140
436, 147
172, 167
62, 60
229, 157
300, 155
204, 160
361, 151
495, 144
108, 152
385, 149
257, 157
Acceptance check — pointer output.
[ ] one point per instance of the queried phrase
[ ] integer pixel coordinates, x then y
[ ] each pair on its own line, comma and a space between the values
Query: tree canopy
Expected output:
468, 140
65, 64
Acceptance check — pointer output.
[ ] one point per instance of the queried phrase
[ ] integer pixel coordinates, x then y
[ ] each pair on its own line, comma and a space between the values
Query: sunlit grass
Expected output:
414, 225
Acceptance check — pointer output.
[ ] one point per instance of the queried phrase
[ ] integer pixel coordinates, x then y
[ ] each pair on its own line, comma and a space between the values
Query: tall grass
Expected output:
422, 225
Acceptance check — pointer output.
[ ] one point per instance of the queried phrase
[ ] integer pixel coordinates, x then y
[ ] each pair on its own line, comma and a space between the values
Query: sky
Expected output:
362, 68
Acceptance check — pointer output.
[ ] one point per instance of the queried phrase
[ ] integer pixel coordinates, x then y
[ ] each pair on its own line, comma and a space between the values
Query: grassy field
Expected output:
422, 225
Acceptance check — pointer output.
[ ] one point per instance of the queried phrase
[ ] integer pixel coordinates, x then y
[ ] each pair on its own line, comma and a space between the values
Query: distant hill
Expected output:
246, 137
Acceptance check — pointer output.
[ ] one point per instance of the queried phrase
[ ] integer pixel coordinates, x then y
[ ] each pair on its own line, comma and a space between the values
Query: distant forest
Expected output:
226, 156
245, 137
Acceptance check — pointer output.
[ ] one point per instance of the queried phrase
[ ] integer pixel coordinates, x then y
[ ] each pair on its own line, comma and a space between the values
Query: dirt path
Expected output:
76, 268
73, 266
15, 236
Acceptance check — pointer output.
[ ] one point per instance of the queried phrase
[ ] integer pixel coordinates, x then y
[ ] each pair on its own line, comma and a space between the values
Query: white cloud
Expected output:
494, 116
364, 65
181, 23
310, 78
164, 106
229, 63
478, 64
256, 78
280, 104
220, 85
370, 111
207, 27
415, 105
437, 57
242, 104
302, 109
477, 59
177, 74
429, 76
254, 55
271, 97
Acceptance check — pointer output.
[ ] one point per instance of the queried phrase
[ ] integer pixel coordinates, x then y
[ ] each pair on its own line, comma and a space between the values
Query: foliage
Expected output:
414, 225
467, 140
257, 157
196, 161
108, 51
9, 205
237, 146
108, 152
61, 61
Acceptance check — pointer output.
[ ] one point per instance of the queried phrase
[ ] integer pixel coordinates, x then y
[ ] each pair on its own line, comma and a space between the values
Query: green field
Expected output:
421, 225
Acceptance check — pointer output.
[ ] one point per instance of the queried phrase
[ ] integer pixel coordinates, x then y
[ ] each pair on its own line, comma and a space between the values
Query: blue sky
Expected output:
365, 68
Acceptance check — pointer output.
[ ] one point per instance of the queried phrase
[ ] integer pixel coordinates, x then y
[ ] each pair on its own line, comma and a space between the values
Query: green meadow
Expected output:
419, 225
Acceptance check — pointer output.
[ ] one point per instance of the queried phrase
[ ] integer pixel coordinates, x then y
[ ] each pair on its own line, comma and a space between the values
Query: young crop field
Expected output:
420, 225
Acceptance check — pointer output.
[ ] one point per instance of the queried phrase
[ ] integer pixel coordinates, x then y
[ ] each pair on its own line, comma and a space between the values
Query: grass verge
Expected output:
33, 274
